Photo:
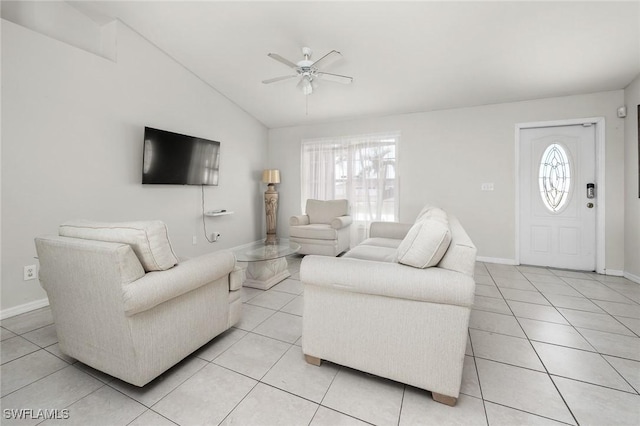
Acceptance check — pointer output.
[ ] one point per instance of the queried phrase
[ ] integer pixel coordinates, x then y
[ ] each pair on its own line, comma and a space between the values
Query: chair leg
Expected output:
444, 399
312, 360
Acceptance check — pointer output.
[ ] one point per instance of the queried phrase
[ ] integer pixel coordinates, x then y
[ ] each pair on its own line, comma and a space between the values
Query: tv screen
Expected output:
175, 159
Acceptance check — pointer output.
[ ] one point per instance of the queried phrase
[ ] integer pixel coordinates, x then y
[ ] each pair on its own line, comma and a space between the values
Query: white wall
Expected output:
72, 133
632, 202
444, 156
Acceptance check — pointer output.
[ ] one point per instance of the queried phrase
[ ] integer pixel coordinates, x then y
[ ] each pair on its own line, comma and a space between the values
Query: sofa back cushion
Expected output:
427, 240
148, 239
321, 211
461, 254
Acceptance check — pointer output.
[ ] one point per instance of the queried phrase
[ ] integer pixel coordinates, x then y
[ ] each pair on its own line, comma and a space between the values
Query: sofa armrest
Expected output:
393, 230
435, 285
341, 222
158, 287
299, 220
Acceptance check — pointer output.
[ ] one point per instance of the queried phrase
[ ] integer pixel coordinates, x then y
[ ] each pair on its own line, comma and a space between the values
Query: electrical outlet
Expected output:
30, 272
194, 240
215, 236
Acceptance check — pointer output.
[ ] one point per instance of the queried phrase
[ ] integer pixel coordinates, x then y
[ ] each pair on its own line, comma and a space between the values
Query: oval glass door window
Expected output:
555, 177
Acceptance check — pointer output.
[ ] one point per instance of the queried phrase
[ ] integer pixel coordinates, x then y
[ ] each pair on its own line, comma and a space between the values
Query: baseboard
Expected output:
630, 276
614, 272
496, 260
21, 309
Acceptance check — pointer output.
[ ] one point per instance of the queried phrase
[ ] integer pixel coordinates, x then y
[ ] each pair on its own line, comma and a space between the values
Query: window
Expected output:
555, 177
361, 169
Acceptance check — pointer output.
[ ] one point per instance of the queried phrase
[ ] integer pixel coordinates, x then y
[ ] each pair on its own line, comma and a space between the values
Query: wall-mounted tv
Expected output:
174, 159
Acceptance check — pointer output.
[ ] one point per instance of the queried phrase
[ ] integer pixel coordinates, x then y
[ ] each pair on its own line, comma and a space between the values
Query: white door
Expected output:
557, 217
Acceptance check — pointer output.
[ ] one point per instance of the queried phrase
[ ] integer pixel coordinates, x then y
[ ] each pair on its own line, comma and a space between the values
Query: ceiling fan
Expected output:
309, 72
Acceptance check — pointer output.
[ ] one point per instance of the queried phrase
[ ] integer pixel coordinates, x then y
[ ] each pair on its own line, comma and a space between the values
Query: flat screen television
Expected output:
174, 159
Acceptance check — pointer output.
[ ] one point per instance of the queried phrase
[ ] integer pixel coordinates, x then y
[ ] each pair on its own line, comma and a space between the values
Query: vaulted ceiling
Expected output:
404, 56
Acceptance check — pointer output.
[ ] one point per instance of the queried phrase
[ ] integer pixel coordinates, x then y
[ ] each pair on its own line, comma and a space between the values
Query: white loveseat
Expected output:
368, 311
124, 305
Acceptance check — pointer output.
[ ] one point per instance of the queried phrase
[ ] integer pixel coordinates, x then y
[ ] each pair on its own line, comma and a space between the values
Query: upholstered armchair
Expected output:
324, 229
124, 305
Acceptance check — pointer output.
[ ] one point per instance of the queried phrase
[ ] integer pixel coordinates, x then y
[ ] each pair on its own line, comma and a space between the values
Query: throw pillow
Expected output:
148, 239
426, 242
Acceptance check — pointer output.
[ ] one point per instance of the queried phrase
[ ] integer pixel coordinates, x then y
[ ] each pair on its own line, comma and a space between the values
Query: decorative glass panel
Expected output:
555, 177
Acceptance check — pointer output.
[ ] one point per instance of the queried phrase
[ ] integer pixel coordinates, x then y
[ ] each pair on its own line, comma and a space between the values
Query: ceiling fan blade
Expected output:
282, 60
335, 77
327, 59
284, 77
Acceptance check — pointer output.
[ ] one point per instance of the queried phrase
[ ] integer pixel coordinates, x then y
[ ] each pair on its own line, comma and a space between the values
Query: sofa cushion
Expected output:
324, 211
426, 242
314, 231
148, 239
382, 242
374, 253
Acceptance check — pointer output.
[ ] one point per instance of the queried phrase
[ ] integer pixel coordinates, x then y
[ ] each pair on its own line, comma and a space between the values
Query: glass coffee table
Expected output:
267, 263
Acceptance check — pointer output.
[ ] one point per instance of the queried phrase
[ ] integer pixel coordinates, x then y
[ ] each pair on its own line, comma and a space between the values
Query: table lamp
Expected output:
271, 177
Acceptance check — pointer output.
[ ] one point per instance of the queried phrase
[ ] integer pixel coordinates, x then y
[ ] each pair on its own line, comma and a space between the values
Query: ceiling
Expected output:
404, 56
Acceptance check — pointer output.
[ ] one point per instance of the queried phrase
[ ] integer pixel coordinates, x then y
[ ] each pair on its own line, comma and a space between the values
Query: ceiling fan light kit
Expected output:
308, 72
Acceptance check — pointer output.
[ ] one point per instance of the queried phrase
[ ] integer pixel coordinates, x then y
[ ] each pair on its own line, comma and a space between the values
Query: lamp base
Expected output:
271, 209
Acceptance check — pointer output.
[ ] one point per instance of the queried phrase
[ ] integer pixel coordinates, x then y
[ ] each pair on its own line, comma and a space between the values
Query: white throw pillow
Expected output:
148, 239
427, 241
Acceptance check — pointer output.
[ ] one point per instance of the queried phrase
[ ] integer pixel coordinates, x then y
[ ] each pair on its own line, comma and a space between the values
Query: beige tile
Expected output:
14, 348
480, 269
597, 291
281, 326
58, 390
631, 323
29, 321
220, 344
507, 349
560, 289
253, 355
207, 397
537, 312
289, 286
579, 303
538, 270
161, 386
470, 385
468, 350
418, 408
272, 299
6, 334
516, 284
293, 374
544, 278
499, 415
620, 309
28, 369
594, 321
252, 316
366, 397
571, 274
269, 406
580, 365
249, 293
491, 304
43, 337
295, 307
484, 280
523, 389
595, 405
524, 296
151, 418
98, 408
97, 374
327, 417
613, 344
629, 369
488, 291
55, 350
495, 323
557, 334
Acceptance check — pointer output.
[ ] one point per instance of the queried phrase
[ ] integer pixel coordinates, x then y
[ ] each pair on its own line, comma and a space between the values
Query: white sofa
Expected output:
323, 229
124, 305
368, 311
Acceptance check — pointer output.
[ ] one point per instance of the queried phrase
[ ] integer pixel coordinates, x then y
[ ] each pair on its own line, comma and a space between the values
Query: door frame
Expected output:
599, 124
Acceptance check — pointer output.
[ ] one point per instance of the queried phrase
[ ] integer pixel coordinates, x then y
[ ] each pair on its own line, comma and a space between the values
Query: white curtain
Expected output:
361, 169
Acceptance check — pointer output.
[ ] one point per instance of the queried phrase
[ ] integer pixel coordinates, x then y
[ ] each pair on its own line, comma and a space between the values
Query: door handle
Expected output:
589, 205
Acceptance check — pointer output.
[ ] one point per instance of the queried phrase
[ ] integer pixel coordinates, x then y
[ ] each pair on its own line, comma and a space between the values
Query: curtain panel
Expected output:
361, 168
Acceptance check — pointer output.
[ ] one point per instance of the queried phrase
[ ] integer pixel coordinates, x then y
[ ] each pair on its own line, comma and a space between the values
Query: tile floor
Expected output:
545, 347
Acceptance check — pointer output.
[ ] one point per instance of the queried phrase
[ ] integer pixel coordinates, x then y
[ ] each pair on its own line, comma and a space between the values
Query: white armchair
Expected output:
122, 303
324, 229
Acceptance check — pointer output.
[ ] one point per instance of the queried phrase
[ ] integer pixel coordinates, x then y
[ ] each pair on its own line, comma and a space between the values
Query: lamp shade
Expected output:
271, 176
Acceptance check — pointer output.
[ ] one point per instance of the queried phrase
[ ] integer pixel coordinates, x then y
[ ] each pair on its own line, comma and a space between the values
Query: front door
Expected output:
557, 204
